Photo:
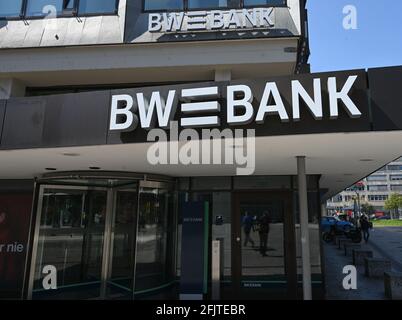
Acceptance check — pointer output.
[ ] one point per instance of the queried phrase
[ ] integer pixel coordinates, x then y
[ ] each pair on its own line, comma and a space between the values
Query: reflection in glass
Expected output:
154, 240
71, 236
10, 8
123, 258
96, 6
43, 7
250, 3
195, 4
163, 4
262, 242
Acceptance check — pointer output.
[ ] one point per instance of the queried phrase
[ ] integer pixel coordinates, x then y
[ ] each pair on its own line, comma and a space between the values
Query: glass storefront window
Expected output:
10, 8
163, 5
251, 3
97, 6
37, 8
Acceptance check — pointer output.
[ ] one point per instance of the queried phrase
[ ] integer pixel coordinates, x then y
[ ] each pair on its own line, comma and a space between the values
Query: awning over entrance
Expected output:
348, 124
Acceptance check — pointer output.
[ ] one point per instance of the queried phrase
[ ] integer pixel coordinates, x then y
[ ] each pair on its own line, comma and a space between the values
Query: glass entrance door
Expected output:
116, 241
264, 246
120, 281
70, 240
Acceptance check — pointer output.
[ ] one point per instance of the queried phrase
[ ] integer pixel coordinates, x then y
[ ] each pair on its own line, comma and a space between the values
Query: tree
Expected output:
393, 203
367, 209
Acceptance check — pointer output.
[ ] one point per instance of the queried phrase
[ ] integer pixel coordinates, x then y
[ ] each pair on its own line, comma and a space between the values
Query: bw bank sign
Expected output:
216, 20
310, 98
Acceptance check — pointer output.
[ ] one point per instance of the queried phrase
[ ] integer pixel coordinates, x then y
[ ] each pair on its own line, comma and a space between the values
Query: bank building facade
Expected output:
88, 87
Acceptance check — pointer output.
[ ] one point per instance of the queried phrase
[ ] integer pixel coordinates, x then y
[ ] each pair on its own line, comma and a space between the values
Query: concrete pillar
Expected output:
304, 229
11, 88
223, 75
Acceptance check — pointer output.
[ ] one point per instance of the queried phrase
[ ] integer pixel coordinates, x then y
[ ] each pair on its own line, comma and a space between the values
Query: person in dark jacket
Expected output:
263, 230
365, 226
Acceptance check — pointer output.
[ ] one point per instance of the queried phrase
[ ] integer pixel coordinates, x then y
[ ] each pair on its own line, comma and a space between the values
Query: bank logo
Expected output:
127, 114
215, 20
202, 108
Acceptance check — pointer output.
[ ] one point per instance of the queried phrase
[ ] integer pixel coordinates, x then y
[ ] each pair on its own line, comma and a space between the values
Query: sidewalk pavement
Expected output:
385, 242
388, 241
367, 288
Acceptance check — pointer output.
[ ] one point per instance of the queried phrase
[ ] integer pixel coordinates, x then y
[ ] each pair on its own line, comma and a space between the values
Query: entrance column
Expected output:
305, 239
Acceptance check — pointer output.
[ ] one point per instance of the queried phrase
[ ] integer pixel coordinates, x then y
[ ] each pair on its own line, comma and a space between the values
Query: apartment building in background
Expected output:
374, 190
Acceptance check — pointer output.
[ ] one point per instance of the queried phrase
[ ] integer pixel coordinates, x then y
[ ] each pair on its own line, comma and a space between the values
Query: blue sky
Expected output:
377, 41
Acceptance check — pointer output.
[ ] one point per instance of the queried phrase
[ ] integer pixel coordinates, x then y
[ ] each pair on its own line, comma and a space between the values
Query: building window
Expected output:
166, 5
394, 168
251, 3
396, 188
205, 4
378, 188
348, 198
37, 8
42, 8
150, 5
97, 6
337, 198
396, 177
10, 8
377, 197
377, 178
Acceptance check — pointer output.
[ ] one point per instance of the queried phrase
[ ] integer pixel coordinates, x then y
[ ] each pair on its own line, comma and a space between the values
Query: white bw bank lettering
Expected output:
211, 20
156, 110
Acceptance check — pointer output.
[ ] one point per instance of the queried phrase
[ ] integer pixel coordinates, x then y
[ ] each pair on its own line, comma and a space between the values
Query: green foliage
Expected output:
394, 202
387, 223
367, 209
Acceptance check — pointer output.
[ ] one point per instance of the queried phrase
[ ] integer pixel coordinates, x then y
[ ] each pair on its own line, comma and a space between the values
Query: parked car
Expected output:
384, 218
340, 225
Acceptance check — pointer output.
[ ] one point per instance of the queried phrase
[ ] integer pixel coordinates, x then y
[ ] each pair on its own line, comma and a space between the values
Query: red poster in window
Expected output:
15, 212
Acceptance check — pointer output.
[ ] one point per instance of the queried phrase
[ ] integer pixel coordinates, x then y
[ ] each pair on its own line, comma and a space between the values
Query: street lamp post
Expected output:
358, 204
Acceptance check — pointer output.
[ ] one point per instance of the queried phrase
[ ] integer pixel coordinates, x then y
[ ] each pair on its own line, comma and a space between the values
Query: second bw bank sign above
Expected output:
212, 20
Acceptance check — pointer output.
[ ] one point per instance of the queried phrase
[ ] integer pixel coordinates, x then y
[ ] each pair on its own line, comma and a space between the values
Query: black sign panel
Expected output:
23, 124
83, 119
386, 98
56, 121
193, 249
137, 29
272, 124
